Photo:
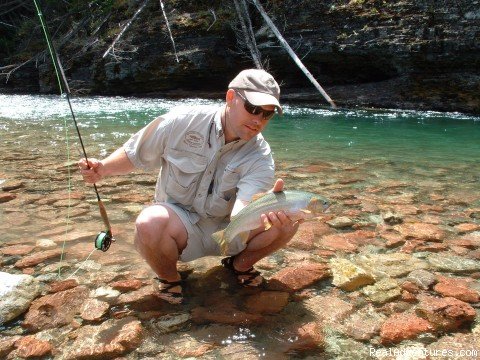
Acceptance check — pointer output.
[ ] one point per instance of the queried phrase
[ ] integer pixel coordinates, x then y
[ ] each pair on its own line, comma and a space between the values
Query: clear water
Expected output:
389, 158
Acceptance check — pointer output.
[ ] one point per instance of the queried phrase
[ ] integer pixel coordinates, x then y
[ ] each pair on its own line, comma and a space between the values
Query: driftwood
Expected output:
127, 25
169, 31
248, 35
292, 53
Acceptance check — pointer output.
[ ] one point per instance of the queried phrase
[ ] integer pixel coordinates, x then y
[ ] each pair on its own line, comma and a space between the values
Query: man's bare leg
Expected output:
160, 237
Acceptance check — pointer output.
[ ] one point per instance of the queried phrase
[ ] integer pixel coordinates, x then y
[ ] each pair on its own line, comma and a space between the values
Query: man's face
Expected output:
241, 123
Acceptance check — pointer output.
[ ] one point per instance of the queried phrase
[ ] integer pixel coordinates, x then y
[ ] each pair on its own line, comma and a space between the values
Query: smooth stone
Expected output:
383, 291
171, 322
454, 264
16, 294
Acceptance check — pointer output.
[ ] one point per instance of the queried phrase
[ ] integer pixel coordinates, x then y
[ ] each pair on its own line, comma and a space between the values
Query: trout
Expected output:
295, 204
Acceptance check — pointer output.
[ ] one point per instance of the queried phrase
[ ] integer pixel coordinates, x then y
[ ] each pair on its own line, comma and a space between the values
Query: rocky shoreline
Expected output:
417, 55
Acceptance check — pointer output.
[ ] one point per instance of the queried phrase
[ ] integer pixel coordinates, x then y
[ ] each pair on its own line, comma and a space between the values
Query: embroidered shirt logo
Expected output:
194, 139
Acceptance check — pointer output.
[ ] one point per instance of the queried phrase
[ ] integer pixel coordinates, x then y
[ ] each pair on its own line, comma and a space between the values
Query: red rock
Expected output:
337, 242
325, 253
421, 231
467, 227
143, 299
365, 324
410, 287
29, 346
93, 309
445, 314
399, 327
126, 285
6, 197
307, 337
62, 285
408, 297
55, 310
329, 309
457, 288
292, 279
38, 258
462, 242
7, 345
267, 302
304, 238
28, 271
109, 340
437, 247
17, 249
393, 239
227, 314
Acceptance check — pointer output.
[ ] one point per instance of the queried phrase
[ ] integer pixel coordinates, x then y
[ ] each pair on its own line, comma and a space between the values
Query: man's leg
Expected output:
263, 243
160, 237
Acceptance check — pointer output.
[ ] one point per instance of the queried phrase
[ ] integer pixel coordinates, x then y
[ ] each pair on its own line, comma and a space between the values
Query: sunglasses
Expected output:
254, 109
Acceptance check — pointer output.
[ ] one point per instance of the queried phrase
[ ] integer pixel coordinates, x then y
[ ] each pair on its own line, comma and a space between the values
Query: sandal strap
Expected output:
251, 274
170, 285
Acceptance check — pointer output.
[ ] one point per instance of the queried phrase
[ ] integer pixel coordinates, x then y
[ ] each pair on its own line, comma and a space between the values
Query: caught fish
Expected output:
295, 204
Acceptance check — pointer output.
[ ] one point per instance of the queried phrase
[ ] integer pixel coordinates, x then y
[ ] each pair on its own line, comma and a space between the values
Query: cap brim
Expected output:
260, 99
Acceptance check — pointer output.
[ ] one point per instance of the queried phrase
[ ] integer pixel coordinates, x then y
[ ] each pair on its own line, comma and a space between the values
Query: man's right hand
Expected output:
94, 172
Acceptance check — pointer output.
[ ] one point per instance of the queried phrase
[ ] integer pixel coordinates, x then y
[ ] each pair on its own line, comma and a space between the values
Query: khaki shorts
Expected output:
200, 242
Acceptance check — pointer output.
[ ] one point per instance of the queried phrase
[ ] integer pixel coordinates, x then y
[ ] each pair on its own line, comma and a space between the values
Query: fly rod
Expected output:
104, 238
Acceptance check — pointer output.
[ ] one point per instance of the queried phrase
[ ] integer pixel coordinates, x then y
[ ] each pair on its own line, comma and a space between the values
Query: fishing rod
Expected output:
104, 238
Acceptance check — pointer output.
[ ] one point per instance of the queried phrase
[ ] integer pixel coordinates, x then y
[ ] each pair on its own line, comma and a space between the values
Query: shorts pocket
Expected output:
217, 207
184, 170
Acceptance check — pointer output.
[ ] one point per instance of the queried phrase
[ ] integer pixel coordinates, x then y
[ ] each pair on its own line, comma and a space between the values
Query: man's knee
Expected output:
151, 222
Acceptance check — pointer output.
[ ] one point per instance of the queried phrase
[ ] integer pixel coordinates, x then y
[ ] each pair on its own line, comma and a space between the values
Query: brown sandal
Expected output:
166, 290
248, 278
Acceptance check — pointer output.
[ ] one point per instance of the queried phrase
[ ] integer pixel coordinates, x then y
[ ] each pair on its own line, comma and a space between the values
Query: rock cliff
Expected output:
422, 54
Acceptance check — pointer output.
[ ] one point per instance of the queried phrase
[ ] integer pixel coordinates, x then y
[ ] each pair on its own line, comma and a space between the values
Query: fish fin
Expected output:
258, 196
244, 236
219, 238
267, 224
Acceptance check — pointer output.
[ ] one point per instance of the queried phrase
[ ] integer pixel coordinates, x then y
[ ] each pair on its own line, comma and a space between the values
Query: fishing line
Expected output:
104, 238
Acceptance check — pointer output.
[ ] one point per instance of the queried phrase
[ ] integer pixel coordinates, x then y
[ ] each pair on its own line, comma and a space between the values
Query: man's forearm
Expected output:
117, 163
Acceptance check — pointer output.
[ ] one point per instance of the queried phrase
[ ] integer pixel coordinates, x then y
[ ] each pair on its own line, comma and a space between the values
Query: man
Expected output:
212, 161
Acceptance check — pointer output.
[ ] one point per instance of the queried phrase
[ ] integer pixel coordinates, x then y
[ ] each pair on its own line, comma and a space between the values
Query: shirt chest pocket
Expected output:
184, 171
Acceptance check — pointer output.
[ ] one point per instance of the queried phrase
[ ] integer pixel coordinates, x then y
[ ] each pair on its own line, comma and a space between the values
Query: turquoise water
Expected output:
302, 135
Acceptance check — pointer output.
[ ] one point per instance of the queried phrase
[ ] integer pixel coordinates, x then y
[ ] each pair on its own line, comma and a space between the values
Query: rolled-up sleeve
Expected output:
259, 178
145, 149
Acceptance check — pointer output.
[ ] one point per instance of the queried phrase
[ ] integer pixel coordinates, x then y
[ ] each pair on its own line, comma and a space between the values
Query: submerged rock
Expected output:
55, 310
390, 265
170, 322
453, 263
423, 278
106, 341
348, 276
267, 302
445, 314
16, 294
364, 324
295, 278
403, 326
383, 291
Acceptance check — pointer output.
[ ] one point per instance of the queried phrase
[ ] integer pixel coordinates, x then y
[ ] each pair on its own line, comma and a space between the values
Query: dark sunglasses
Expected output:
254, 109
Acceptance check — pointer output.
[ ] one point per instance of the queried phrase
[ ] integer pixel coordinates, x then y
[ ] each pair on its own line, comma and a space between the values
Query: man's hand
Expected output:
283, 227
92, 173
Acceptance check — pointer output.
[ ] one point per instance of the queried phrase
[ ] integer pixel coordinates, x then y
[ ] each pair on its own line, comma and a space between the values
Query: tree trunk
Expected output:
292, 53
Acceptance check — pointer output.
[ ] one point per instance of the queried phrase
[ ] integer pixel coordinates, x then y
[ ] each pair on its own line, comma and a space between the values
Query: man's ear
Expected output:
230, 95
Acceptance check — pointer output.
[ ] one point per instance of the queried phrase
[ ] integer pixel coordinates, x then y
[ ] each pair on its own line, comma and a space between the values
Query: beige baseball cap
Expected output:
259, 87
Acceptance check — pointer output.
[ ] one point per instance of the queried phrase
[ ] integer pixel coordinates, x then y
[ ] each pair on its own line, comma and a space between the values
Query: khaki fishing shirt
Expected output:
198, 171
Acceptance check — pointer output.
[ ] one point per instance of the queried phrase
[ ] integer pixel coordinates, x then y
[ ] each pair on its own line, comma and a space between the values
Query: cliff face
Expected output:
422, 54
